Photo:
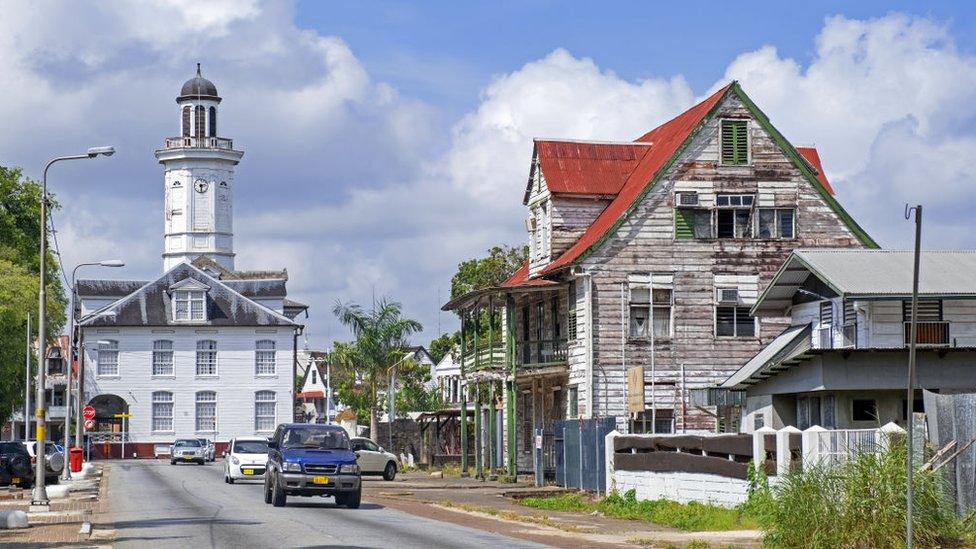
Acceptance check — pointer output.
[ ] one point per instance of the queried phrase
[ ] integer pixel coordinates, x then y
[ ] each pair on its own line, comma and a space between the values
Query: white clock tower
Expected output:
199, 181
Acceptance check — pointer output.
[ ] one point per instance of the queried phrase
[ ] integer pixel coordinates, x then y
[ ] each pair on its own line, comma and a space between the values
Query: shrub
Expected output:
861, 503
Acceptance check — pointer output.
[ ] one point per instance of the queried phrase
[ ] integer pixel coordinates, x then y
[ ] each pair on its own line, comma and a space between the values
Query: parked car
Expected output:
53, 460
187, 449
373, 459
307, 459
15, 465
209, 447
245, 458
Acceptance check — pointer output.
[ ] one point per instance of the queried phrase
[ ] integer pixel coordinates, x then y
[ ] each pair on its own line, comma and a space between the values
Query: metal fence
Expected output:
580, 452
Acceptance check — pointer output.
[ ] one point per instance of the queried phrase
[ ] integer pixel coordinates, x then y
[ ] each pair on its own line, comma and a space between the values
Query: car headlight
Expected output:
349, 468
234, 460
291, 466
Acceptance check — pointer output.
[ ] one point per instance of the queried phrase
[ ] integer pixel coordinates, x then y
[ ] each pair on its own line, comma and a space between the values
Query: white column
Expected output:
811, 446
608, 456
759, 445
888, 432
783, 456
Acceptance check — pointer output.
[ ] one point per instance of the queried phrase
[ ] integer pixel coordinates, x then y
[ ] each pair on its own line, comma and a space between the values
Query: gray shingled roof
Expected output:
151, 304
872, 273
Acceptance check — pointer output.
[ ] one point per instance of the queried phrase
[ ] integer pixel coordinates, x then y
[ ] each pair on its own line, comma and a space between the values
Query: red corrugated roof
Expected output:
811, 155
311, 394
521, 278
664, 140
580, 167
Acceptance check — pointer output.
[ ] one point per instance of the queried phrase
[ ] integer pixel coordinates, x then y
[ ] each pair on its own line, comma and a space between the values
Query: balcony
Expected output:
930, 333
836, 337
486, 358
199, 143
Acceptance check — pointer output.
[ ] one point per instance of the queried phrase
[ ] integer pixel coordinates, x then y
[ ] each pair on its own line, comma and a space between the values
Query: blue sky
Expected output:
385, 142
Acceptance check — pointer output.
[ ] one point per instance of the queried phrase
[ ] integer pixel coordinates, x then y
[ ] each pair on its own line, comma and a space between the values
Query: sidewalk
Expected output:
63, 524
493, 506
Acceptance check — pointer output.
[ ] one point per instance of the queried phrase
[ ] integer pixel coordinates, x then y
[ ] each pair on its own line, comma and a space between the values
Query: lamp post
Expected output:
71, 348
39, 495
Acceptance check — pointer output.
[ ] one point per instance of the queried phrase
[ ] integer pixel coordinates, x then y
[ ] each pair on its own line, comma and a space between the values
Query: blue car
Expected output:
307, 459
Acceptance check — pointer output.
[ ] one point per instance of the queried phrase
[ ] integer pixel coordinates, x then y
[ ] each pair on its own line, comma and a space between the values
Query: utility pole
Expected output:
27, 381
909, 534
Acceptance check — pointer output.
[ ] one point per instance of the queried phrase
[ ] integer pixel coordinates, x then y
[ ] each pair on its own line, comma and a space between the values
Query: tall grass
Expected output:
861, 503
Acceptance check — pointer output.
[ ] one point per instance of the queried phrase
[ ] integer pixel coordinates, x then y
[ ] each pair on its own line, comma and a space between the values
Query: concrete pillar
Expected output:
608, 455
887, 433
811, 445
759, 445
783, 455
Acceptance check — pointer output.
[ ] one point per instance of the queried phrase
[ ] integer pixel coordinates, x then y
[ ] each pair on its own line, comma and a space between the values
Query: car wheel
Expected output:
352, 499
52, 480
172, 462
230, 480
390, 472
278, 496
267, 488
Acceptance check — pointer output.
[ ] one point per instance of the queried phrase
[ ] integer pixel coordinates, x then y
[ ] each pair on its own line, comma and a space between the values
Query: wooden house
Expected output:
644, 254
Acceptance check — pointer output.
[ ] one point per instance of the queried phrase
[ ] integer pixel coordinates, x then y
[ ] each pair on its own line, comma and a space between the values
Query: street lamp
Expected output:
39, 495
71, 347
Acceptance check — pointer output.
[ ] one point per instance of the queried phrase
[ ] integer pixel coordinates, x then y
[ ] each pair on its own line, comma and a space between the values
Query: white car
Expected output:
245, 458
373, 459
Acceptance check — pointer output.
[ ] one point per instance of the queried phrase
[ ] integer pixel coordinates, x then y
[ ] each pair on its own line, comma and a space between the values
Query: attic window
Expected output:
735, 142
189, 305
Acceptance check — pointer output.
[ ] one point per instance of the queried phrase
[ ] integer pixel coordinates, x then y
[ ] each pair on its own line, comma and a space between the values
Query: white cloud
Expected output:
356, 188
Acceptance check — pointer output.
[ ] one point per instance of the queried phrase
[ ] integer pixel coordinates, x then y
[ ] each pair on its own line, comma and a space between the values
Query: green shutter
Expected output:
735, 142
684, 224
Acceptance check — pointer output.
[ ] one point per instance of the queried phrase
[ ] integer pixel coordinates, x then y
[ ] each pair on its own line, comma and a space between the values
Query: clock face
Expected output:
201, 186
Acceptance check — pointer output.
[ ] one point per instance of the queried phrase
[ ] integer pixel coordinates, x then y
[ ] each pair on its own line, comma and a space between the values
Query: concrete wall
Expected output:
682, 487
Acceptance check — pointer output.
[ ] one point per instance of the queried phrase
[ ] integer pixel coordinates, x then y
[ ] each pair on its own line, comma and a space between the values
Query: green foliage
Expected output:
380, 336
442, 345
20, 237
860, 503
485, 272
412, 394
685, 516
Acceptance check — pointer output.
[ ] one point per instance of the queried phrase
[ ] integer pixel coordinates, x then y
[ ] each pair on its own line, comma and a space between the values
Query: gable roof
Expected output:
151, 305
585, 167
811, 155
667, 141
866, 274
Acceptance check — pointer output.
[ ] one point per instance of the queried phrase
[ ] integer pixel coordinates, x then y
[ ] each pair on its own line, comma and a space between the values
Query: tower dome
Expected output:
198, 87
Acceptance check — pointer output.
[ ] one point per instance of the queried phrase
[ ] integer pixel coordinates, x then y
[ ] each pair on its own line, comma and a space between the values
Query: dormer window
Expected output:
189, 300
189, 305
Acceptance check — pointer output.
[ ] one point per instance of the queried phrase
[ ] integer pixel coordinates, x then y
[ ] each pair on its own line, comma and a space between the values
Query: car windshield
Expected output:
251, 447
323, 438
12, 447
203, 441
191, 442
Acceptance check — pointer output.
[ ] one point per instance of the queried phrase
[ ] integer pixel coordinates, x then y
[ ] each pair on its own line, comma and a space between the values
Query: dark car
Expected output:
307, 459
15, 465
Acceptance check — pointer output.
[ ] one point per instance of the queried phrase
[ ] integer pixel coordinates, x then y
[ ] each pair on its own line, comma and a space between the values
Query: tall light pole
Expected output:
912, 344
71, 349
39, 495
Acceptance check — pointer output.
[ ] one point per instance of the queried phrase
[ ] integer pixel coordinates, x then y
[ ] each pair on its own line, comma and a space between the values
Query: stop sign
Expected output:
88, 412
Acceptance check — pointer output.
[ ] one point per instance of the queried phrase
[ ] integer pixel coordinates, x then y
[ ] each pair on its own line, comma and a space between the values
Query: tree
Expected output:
442, 345
475, 274
412, 392
381, 334
20, 238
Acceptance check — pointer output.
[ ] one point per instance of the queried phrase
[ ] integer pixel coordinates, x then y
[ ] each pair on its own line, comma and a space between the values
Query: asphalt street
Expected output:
155, 504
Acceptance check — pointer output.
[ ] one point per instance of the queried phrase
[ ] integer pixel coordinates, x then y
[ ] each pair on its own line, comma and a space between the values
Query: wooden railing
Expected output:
541, 352
930, 334
485, 358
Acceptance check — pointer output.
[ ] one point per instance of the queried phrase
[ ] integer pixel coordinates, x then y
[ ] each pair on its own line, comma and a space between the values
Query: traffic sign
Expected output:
88, 412
89, 424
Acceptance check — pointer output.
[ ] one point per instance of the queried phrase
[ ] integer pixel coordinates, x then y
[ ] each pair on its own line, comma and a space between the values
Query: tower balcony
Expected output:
199, 143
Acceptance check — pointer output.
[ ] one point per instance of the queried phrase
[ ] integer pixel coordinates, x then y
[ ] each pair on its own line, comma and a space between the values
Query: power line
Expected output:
57, 250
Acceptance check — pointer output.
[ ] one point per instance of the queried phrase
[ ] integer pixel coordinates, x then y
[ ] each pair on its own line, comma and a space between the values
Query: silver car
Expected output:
186, 450
211, 450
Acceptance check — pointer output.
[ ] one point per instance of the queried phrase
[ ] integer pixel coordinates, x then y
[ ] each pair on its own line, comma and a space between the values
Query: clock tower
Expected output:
199, 181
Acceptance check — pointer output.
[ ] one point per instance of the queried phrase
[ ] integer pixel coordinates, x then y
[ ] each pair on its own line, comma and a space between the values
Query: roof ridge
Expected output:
592, 141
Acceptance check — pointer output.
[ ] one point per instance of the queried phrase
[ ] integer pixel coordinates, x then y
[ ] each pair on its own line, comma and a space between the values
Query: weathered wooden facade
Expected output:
646, 254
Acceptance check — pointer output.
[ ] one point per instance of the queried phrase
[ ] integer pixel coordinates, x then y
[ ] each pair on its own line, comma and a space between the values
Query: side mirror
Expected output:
272, 444
225, 453
381, 450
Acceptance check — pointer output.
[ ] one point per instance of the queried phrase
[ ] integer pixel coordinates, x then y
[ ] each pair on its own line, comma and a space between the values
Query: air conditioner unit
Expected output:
728, 295
530, 224
686, 199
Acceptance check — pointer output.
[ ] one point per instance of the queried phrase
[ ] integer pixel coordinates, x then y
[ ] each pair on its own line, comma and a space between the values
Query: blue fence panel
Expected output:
558, 448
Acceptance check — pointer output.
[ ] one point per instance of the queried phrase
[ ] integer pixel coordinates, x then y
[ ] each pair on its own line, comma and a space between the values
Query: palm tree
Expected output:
381, 334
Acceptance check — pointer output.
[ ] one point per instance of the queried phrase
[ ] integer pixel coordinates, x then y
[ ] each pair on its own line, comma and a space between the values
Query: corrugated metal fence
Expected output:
953, 417
580, 452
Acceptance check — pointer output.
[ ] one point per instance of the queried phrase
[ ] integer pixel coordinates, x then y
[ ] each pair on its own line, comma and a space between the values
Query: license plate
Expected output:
320, 480
247, 471
188, 457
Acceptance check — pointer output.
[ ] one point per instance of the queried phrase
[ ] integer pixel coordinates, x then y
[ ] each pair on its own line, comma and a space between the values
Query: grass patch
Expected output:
452, 470
658, 544
692, 517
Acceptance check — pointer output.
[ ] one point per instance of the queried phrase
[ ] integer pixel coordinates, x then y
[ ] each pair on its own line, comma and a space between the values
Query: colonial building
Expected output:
202, 350
842, 363
646, 257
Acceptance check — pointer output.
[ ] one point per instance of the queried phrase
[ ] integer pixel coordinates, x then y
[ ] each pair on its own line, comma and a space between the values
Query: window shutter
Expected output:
684, 223
735, 142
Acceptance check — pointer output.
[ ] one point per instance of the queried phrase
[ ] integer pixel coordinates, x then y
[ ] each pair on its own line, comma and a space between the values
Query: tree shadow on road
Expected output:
155, 523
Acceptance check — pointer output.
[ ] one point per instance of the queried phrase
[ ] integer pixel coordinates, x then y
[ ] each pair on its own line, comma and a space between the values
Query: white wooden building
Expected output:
203, 350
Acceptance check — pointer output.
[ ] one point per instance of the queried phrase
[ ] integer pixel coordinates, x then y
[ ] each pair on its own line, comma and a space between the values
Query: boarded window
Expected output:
212, 130
199, 120
826, 313
186, 121
735, 142
929, 310
571, 330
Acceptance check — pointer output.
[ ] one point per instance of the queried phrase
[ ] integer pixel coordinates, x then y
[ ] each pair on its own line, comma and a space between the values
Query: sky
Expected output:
386, 142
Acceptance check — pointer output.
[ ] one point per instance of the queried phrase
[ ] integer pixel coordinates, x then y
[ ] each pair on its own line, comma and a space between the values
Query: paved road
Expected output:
155, 504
